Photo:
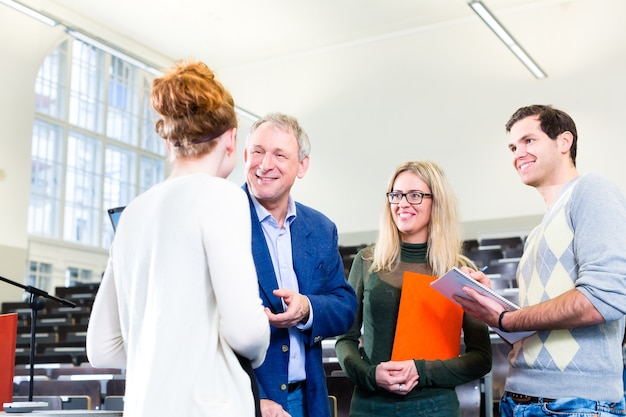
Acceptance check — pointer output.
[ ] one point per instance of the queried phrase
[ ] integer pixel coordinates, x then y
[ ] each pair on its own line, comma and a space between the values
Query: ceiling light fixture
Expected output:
485, 14
30, 12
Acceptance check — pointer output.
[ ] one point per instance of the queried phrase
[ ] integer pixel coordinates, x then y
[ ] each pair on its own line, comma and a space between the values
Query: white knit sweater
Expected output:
179, 297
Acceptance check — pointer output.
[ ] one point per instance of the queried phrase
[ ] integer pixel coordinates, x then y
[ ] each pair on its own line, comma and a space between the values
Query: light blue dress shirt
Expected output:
278, 241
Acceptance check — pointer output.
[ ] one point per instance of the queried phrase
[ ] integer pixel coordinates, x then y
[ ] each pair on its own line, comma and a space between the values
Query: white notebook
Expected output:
452, 282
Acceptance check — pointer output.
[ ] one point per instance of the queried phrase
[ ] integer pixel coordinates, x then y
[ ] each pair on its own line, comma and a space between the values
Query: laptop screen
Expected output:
114, 215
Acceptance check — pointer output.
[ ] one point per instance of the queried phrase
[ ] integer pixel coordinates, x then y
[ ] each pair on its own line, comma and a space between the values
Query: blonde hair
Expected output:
194, 107
444, 229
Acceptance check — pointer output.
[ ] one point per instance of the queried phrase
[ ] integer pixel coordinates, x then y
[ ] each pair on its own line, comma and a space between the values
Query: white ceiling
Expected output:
234, 33
377, 82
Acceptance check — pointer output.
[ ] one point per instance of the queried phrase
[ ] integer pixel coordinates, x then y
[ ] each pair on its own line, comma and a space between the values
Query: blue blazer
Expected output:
320, 273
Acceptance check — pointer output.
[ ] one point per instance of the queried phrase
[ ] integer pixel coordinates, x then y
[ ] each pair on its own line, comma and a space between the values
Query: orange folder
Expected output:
429, 325
8, 332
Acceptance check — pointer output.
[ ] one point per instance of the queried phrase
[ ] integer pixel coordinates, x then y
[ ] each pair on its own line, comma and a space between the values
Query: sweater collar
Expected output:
413, 252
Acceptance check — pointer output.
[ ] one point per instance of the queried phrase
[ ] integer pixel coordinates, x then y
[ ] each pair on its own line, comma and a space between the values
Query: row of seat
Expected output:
483, 251
339, 386
68, 380
60, 330
62, 375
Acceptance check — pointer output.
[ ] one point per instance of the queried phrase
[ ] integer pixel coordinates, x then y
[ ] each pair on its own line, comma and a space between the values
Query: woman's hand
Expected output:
399, 377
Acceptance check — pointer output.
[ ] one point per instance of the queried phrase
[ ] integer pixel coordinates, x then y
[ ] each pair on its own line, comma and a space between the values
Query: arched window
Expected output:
93, 146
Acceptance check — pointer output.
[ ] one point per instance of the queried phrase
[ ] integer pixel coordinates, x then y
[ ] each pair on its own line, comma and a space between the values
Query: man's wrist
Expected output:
500, 325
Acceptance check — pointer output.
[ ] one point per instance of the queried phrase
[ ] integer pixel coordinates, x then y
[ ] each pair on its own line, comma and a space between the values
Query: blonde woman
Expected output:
419, 233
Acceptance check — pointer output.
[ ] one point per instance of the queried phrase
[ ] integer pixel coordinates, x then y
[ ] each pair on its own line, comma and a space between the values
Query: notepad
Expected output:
452, 282
429, 325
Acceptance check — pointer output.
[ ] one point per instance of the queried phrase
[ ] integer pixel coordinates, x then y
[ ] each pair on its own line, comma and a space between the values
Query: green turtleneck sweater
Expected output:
378, 296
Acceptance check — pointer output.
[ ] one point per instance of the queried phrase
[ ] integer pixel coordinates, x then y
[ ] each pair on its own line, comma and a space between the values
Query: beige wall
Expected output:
12, 263
23, 43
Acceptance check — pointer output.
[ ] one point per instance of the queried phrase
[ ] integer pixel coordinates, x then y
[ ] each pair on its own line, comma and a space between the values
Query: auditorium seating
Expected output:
341, 388
60, 330
503, 242
61, 367
347, 256
61, 335
115, 387
487, 251
469, 396
54, 401
64, 402
114, 402
484, 256
65, 388
63, 379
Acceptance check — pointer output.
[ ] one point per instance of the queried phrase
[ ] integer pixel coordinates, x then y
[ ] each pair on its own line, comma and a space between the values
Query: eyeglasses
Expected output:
413, 197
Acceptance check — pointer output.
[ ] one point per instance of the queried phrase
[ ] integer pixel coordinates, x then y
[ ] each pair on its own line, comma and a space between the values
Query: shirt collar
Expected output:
263, 214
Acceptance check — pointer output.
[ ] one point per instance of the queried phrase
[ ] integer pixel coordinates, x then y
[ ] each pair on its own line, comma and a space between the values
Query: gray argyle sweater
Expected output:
581, 243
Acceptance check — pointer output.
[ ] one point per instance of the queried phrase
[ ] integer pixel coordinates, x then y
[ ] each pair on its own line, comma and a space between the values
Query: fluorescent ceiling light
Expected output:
30, 12
497, 28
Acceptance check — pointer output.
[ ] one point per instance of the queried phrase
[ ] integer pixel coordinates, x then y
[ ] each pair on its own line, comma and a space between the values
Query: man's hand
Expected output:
477, 275
399, 377
270, 408
479, 306
298, 309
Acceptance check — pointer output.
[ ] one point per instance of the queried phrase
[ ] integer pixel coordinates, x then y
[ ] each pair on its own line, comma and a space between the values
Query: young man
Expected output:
299, 268
572, 280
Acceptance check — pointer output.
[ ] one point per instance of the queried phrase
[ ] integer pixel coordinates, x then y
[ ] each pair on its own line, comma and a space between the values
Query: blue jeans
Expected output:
296, 403
561, 407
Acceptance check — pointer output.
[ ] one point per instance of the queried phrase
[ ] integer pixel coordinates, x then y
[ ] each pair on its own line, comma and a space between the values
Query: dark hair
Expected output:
194, 108
553, 122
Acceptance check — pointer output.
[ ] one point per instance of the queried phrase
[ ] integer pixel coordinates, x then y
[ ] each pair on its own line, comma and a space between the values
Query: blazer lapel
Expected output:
302, 260
263, 262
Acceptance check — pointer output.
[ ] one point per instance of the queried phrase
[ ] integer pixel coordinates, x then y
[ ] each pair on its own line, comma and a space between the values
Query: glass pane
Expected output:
40, 275
119, 176
71, 276
86, 275
81, 224
83, 191
150, 140
43, 216
45, 269
76, 276
107, 228
120, 188
32, 274
46, 179
152, 172
123, 110
87, 86
50, 85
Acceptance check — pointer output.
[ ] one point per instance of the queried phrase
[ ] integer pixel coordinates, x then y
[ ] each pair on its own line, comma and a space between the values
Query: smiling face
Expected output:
411, 220
537, 158
272, 166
